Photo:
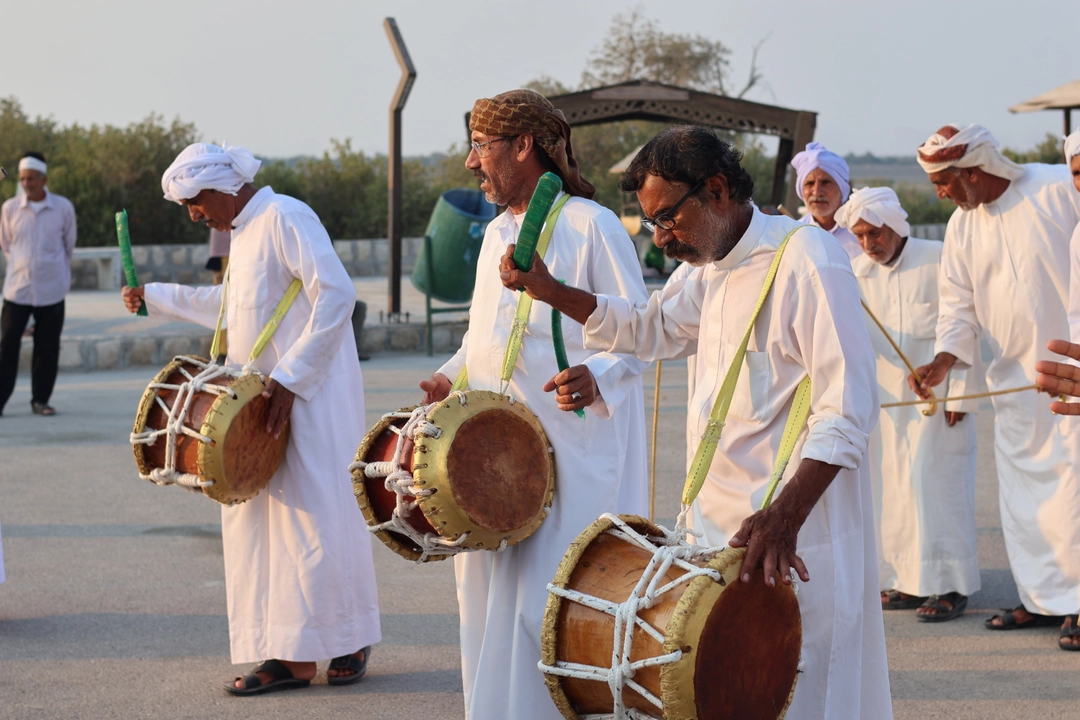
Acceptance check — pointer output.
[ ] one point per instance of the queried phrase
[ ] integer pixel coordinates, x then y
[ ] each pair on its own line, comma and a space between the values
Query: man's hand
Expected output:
932, 374
436, 389
575, 388
133, 298
280, 408
538, 283
770, 535
951, 418
1060, 378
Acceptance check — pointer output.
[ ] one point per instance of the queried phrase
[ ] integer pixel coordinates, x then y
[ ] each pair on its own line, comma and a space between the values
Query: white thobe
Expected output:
599, 460
923, 471
299, 575
810, 324
1004, 275
847, 239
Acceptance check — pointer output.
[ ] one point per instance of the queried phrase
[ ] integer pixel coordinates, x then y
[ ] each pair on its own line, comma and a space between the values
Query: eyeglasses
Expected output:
481, 148
664, 220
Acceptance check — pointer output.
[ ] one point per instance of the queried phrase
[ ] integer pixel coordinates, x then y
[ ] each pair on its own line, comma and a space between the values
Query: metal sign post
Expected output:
394, 222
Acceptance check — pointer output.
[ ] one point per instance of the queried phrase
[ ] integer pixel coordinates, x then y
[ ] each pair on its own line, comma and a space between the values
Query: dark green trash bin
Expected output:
456, 230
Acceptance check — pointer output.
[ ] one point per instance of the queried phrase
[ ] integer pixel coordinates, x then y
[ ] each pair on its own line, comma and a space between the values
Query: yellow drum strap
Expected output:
272, 325
521, 317
800, 408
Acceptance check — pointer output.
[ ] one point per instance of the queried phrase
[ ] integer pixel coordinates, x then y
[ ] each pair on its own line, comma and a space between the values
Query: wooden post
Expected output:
393, 216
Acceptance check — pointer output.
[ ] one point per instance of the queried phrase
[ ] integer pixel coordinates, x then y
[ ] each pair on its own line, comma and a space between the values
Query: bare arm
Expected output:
539, 284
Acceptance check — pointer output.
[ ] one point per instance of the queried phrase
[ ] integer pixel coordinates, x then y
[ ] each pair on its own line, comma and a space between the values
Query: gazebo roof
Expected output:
1065, 97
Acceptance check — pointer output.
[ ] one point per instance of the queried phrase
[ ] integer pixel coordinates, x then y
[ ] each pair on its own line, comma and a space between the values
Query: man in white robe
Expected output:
600, 462
822, 181
923, 468
299, 575
1004, 277
697, 197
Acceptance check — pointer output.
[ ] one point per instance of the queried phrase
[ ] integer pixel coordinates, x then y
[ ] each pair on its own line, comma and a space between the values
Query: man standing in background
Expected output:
823, 184
37, 235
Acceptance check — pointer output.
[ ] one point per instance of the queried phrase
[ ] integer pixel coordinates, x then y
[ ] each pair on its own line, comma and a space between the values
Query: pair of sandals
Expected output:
42, 408
281, 678
1009, 622
896, 600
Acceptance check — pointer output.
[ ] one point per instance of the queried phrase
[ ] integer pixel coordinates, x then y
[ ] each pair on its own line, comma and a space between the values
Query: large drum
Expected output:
473, 472
670, 625
203, 426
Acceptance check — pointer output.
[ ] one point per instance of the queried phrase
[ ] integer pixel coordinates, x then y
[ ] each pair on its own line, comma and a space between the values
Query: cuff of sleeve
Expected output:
452, 368
298, 377
835, 446
155, 297
599, 365
594, 331
962, 351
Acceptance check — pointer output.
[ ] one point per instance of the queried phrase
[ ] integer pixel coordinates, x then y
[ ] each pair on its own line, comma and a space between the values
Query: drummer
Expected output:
696, 197
299, 575
600, 459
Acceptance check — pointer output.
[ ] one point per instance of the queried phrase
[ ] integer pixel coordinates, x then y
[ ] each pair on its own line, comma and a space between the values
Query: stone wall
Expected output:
187, 263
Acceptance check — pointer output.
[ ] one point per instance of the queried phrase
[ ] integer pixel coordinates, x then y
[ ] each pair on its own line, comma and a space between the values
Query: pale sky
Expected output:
283, 78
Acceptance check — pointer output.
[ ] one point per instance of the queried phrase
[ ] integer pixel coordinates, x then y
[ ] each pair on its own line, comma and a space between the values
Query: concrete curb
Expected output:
82, 353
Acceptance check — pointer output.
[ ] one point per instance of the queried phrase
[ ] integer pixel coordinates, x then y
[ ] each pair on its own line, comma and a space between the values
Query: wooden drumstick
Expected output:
655, 423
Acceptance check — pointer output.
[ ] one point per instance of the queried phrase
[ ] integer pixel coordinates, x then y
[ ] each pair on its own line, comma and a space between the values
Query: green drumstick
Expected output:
124, 238
560, 346
542, 200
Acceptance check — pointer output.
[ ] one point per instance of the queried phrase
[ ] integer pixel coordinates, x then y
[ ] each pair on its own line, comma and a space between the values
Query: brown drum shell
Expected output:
241, 457
744, 664
382, 500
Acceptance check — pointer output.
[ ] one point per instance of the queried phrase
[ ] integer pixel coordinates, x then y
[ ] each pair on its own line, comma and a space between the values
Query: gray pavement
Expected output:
114, 602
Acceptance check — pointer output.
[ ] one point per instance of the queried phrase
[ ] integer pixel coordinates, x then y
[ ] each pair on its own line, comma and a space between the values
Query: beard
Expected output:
711, 240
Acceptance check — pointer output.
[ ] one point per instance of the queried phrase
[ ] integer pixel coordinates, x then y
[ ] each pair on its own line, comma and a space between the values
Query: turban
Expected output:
524, 112
877, 206
202, 166
816, 156
32, 163
972, 146
1072, 146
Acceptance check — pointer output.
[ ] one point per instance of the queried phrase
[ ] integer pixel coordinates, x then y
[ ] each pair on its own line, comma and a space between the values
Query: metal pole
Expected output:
393, 216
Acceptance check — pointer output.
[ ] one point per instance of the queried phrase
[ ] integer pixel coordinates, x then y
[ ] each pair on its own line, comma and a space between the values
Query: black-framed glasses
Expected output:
481, 148
664, 220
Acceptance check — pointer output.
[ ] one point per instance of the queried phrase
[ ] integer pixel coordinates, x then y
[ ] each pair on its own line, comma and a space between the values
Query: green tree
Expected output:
1050, 151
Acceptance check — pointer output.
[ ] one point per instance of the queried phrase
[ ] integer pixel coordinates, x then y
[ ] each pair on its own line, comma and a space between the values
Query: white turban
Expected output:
1072, 146
202, 166
877, 206
32, 163
972, 146
817, 156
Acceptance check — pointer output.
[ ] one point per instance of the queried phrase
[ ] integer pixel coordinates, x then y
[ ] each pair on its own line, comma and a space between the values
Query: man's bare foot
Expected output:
1069, 638
1020, 615
896, 600
929, 610
300, 671
346, 671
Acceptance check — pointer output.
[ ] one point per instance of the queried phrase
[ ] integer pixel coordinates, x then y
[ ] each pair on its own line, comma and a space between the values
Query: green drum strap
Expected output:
271, 326
800, 408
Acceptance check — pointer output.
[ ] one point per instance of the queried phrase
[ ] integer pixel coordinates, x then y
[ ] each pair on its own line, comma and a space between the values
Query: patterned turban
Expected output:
524, 112
972, 146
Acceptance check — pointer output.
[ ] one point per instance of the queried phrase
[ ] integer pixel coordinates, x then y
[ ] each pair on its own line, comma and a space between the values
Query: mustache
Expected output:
674, 249
480, 175
817, 198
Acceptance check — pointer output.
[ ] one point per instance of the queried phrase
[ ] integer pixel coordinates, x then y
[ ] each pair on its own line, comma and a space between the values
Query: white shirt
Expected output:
37, 246
847, 239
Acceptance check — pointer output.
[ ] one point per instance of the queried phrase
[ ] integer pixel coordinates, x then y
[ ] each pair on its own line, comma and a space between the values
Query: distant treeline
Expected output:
104, 169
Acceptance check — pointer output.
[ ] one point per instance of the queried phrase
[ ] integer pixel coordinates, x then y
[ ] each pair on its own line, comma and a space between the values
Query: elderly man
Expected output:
599, 460
696, 197
37, 235
822, 182
923, 468
299, 576
1004, 276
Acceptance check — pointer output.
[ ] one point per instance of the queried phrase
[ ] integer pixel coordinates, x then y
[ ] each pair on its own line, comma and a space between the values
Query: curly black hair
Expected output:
687, 154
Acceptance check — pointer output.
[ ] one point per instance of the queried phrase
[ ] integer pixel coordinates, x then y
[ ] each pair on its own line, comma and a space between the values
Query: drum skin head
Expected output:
491, 469
241, 457
741, 642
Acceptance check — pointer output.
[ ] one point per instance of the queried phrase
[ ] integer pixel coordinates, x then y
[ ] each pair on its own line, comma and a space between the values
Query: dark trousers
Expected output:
48, 322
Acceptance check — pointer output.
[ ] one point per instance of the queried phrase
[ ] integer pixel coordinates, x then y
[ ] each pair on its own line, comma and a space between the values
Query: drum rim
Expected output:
142, 414
677, 689
430, 469
210, 459
364, 502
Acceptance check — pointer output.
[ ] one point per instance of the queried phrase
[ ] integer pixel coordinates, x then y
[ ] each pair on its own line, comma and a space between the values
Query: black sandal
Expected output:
349, 662
42, 408
959, 604
896, 600
281, 678
1069, 632
1008, 620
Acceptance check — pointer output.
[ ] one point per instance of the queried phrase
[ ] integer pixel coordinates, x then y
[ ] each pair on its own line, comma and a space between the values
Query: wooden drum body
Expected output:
482, 477
730, 649
223, 449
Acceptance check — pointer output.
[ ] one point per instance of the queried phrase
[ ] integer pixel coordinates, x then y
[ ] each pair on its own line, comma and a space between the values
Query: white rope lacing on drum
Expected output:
670, 549
401, 482
177, 415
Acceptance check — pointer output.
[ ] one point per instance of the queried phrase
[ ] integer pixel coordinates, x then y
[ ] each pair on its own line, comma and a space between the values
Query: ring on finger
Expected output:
575, 396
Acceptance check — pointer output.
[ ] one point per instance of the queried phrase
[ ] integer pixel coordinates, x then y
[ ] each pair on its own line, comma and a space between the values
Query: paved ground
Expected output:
114, 602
